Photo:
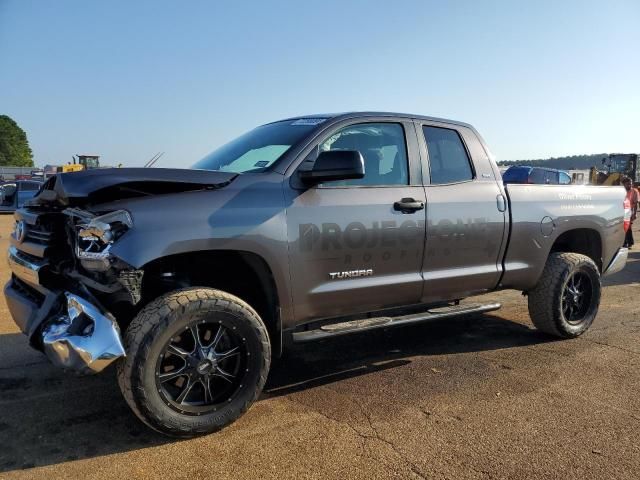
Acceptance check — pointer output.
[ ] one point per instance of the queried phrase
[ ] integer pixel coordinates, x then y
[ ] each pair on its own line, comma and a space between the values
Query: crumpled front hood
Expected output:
109, 184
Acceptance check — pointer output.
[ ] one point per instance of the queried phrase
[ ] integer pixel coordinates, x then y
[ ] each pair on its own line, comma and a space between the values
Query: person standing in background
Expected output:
632, 196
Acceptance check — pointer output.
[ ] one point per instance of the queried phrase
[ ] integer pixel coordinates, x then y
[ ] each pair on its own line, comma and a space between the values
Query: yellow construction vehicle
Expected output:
615, 166
81, 162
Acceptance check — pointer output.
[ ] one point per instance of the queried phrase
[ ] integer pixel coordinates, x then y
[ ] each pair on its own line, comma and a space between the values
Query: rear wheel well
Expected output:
243, 274
581, 240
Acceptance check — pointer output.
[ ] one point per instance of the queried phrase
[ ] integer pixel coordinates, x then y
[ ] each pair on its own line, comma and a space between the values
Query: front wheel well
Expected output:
243, 274
581, 240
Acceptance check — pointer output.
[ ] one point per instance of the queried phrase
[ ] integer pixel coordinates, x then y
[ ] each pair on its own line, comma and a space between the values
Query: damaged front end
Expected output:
93, 236
69, 293
61, 280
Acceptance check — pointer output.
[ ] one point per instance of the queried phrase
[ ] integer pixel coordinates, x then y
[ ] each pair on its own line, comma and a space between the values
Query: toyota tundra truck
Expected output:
191, 281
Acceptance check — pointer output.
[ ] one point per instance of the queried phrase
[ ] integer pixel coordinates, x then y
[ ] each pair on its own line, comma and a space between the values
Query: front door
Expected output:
352, 246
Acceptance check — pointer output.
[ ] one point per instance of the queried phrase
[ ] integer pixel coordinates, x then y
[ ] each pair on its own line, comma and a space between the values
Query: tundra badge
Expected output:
351, 274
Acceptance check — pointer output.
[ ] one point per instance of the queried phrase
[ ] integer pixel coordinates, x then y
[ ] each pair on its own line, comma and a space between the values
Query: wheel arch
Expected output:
586, 241
244, 274
525, 260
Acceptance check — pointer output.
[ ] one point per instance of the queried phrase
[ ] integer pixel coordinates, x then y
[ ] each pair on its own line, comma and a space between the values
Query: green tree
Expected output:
14, 146
563, 163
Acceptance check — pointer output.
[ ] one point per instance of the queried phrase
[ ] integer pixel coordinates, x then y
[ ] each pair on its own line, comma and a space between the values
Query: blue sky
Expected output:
128, 79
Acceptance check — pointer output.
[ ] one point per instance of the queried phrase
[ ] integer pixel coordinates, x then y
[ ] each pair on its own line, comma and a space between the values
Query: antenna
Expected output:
153, 160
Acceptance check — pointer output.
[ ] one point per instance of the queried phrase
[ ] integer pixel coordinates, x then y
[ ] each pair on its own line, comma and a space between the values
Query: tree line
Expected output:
572, 162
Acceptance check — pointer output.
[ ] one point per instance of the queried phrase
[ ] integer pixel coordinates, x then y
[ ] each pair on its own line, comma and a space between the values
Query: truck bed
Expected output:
539, 216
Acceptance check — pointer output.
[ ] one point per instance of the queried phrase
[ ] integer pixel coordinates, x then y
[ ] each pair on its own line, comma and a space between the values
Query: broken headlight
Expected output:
96, 234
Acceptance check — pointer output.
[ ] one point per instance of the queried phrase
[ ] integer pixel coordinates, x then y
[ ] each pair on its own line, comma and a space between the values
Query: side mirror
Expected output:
335, 165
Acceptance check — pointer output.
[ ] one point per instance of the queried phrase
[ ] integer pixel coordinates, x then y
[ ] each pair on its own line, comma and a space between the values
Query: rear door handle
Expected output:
408, 205
502, 203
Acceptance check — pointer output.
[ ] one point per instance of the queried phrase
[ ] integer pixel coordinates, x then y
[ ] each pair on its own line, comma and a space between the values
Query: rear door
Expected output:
350, 249
465, 217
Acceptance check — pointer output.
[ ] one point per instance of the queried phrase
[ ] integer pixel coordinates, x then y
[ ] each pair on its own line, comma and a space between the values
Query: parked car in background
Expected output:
14, 194
535, 175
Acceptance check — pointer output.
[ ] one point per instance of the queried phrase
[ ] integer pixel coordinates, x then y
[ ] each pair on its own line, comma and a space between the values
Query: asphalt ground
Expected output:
477, 397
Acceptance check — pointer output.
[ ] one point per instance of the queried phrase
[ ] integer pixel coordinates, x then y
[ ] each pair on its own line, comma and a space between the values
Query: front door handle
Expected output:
408, 205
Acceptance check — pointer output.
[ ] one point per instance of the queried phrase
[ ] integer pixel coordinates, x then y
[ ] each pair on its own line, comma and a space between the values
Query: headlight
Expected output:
96, 234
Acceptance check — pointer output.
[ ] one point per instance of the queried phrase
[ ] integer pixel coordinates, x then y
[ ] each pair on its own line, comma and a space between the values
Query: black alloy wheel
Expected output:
197, 358
576, 297
565, 301
202, 367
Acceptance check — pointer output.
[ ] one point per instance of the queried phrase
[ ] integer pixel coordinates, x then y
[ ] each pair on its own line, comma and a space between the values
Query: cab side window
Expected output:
537, 176
448, 159
565, 179
551, 177
383, 149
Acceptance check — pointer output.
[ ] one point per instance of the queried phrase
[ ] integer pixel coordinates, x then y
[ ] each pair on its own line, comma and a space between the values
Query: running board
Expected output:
365, 324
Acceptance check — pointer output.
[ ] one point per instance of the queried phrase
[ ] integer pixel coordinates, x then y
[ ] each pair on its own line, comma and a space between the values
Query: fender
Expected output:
211, 220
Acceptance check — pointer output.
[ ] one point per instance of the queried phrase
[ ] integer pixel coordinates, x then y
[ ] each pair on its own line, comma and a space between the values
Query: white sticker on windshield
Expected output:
308, 121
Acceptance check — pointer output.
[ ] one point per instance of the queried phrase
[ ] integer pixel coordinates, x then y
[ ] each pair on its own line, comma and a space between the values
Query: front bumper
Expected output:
84, 339
618, 262
74, 333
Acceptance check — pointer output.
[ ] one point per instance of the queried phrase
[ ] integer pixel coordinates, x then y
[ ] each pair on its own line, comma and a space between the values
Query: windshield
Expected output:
619, 163
258, 149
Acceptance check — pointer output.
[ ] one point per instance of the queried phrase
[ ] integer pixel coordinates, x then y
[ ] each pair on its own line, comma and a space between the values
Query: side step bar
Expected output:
365, 324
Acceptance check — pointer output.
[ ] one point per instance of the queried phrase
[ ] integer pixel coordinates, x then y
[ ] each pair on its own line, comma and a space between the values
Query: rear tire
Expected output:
565, 301
196, 360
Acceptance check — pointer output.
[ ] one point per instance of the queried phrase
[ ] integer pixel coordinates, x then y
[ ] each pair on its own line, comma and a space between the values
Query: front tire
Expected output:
565, 300
196, 360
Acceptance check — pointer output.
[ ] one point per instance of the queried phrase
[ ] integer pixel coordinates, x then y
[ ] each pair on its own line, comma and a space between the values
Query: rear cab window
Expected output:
449, 161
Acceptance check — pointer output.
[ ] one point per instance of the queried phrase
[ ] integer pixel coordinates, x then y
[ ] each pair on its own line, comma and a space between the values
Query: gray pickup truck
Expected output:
191, 280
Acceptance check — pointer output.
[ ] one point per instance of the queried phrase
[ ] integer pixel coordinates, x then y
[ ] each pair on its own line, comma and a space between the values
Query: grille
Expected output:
38, 234
45, 235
